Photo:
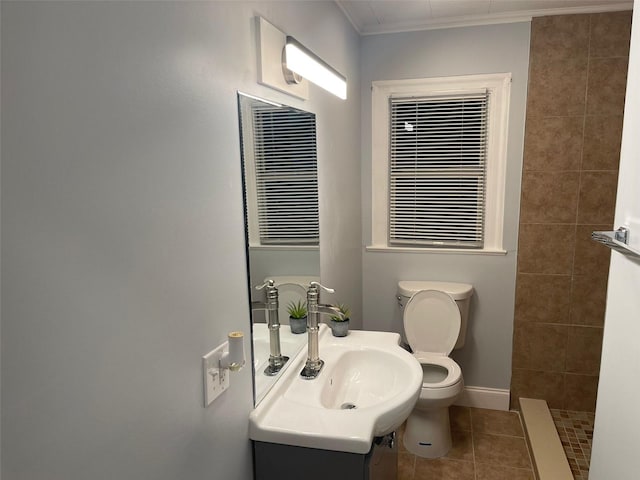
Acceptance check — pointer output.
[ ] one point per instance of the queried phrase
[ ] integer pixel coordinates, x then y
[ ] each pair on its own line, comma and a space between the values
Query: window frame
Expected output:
499, 87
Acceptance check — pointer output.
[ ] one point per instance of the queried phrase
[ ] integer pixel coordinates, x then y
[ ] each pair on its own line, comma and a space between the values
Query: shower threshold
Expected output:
547, 454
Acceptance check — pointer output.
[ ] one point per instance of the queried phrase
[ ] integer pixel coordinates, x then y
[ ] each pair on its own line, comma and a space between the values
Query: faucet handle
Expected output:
268, 284
326, 289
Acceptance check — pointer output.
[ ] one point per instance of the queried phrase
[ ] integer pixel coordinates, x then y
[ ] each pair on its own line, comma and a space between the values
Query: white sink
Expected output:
363, 378
367, 388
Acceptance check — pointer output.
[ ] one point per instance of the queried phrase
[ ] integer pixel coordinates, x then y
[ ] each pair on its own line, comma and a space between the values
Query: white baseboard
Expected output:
482, 397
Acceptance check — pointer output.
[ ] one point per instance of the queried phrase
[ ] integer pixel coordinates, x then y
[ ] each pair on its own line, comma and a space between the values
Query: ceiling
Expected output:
387, 16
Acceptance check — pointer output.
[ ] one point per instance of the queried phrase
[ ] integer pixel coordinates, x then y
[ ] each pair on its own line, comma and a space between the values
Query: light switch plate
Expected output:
215, 379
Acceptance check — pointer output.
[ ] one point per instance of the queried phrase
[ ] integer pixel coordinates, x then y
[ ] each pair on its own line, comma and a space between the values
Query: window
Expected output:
281, 175
439, 161
437, 170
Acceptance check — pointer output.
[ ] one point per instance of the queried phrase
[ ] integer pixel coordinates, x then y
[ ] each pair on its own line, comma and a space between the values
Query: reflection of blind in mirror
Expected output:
438, 149
286, 175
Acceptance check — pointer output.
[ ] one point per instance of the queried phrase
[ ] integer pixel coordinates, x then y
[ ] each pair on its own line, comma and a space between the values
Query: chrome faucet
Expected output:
276, 359
313, 365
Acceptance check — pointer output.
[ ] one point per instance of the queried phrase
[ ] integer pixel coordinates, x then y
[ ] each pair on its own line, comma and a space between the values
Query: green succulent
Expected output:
297, 309
344, 310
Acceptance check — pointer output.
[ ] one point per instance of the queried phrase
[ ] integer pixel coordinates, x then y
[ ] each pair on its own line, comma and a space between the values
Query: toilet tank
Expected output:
460, 292
291, 288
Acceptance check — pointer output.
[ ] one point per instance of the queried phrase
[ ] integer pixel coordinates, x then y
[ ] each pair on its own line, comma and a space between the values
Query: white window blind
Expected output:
437, 170
286, 176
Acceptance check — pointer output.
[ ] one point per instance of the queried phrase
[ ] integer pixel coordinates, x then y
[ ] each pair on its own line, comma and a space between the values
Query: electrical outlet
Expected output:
215, 379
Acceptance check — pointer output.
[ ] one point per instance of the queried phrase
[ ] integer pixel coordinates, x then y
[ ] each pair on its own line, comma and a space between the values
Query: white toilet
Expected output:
435, 322
291, 288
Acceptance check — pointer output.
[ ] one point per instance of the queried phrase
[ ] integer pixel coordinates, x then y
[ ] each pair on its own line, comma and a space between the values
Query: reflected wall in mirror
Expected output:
279, 165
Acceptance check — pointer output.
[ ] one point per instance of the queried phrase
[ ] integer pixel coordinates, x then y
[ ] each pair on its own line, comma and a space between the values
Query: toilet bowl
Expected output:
432, 322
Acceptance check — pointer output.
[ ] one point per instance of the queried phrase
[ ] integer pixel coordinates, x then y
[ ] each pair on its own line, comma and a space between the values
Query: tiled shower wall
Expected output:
577, 79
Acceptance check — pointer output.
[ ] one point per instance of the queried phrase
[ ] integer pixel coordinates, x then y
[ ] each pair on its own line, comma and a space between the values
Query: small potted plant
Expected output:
340, 323
297, 316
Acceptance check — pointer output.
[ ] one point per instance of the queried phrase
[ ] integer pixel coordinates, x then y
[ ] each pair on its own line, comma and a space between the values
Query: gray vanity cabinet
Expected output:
286, 462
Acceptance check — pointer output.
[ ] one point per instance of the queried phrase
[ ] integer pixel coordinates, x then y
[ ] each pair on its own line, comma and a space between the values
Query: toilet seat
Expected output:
454, 373
432, 322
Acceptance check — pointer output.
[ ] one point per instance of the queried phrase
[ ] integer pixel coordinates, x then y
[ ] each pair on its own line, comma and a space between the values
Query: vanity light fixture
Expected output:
299, 62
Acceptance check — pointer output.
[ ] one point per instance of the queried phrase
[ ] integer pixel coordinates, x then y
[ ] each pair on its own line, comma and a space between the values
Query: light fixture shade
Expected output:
304, 62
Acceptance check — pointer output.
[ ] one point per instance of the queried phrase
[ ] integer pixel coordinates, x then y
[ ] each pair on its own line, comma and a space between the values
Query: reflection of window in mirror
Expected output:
281, 175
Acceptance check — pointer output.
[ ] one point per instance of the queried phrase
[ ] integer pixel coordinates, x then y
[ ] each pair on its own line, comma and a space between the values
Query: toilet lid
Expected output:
432, 322
287, 293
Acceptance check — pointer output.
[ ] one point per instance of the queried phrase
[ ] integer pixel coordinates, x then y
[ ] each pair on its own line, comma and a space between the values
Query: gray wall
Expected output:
486, 358
123, 246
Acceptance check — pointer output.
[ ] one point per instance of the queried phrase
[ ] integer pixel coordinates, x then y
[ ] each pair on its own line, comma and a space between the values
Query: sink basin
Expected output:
363, 378
368, 387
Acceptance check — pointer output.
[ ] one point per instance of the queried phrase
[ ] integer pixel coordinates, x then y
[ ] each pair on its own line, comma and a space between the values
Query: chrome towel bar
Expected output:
617, 240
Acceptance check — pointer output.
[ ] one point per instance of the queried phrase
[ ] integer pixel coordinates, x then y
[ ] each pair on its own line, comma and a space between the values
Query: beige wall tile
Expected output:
444, 469
501, 450
562, 277
496, 422
580, 392
559, 37
539, 346
494, 472
588, 300
542, 298
546, 248
553, 143
537, 384
549, 197
556, 87
607, 86
584, 349
610, 34
597, 199
602, 137
591, 257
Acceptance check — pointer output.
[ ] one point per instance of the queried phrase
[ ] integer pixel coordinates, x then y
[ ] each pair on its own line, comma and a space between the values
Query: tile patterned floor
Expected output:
487, 445
576, 433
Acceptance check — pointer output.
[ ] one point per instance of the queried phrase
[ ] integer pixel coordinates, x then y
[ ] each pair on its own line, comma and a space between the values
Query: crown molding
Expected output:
476, 20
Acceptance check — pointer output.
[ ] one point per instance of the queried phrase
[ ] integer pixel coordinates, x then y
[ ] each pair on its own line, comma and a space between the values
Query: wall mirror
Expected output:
279, 167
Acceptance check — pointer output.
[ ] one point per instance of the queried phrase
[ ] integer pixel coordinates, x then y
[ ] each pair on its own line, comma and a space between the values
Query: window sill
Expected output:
285, 247
448, 251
